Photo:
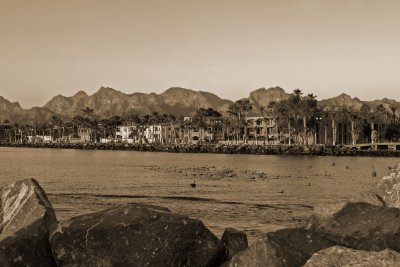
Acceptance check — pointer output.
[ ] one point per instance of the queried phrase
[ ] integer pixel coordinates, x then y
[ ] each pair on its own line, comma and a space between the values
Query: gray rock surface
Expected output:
389, 189
359, 225
135, 235
26, 218
346, 257
234, 240
282, 248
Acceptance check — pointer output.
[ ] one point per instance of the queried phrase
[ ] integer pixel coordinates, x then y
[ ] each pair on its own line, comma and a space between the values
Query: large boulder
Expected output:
234, 240
135, 235
283, 248
26, 218
346, 257
359, 225
388, 191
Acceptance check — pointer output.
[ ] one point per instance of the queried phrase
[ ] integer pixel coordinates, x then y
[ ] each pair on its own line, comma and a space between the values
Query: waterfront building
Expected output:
126, 134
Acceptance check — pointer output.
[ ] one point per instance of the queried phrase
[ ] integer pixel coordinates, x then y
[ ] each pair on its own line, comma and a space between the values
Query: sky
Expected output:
227, 47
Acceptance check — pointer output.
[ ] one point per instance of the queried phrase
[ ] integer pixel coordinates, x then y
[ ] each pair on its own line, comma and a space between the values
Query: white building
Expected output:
126, 134
153, 133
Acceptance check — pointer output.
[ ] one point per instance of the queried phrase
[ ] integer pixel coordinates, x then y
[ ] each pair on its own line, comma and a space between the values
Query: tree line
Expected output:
294, 120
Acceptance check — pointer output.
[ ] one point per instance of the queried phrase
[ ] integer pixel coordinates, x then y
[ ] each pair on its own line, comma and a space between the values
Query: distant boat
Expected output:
193, 185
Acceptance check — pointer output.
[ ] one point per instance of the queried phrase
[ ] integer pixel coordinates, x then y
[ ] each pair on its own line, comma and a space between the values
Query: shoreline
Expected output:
319, 150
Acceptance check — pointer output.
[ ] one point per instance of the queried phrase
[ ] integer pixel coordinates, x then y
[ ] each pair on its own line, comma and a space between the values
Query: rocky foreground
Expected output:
359, 233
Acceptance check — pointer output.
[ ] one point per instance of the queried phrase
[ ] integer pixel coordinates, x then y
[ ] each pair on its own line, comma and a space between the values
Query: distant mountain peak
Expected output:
106, 90
344, 95
178, 90
271, 89
80, 94
8, 102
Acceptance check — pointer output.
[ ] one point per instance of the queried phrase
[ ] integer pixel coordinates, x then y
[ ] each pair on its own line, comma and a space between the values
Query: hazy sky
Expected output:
228, 47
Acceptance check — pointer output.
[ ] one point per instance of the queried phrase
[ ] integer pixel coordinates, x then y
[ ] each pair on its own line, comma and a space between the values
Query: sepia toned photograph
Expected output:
204, 133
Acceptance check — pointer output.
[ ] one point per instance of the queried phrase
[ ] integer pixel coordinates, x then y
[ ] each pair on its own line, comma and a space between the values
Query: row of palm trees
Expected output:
300, 116
105, 127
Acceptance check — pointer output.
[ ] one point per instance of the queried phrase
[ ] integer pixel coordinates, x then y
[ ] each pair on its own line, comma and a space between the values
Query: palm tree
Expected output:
289, 112
350, 115
244, 107
56, 123
172, 120
258, 122
307, 108
186, 125
86, 121
164, 120
239, 109
234, 112
332, 111
365, 110
381, 110
200, 121
393, 110
88, 112
154, 119
274, 110
365, 113
355, 126
133, 119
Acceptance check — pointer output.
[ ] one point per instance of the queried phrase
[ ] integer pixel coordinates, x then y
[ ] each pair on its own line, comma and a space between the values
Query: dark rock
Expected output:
234, 240
135, 235
259, 254
26, 218
359, 225
346, 257
283, 248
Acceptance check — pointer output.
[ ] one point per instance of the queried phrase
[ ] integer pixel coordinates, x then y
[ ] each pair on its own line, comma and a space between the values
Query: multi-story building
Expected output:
126, 134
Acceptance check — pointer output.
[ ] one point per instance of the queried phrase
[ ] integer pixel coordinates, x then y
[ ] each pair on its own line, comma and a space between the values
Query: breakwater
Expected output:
318, 150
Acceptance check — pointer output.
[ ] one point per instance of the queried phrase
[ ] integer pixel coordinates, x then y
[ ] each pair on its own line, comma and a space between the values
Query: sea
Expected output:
252, 193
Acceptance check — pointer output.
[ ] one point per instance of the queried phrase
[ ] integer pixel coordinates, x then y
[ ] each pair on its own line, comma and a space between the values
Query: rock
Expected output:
26, 218
359, 225
283, 248
346, 257
234, 240
259, 254
135, 235
389, 189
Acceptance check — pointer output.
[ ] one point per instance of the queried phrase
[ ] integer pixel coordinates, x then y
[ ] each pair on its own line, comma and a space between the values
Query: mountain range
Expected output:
108, 102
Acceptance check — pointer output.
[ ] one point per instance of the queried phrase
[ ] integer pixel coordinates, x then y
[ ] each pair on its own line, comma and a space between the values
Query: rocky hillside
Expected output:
107, 102
262, 97
342, 100
13, 112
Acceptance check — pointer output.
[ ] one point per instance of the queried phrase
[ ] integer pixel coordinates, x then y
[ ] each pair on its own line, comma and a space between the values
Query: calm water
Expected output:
249, 192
